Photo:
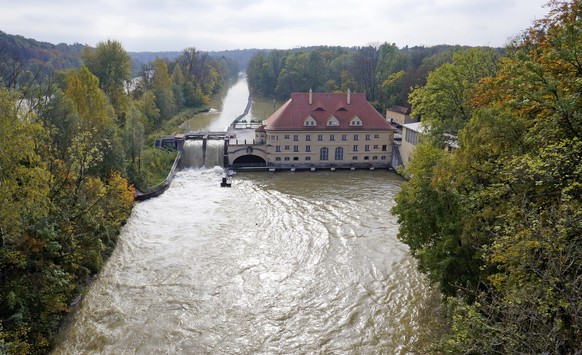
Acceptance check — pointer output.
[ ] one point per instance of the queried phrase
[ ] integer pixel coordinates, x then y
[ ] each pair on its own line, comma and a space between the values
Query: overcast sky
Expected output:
166, 25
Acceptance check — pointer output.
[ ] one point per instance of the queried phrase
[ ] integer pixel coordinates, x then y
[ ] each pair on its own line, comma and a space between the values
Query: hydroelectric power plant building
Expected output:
315, 131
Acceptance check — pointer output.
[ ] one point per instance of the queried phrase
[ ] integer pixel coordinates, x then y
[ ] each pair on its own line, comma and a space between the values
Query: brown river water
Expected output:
283, 263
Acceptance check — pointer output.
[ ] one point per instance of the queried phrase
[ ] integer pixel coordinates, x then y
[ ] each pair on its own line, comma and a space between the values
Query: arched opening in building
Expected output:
249, 160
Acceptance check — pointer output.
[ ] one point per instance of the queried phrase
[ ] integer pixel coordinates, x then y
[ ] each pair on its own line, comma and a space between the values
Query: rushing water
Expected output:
195, 155
278, 263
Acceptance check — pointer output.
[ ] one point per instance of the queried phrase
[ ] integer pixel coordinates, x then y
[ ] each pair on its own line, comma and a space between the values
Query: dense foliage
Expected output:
19, 55
385, 73
69, 142
498, 222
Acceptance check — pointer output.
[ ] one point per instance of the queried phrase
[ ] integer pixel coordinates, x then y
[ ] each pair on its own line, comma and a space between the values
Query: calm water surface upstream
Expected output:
279, 263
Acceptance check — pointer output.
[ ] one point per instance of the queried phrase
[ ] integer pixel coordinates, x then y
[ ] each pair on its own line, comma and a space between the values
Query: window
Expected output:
367, 147
333, 121
296, 137
332, 137
277, 148
295, 158
376, 136
366, 158
411, 137
354, 158
383, 157
339, 153
272, 137
308, 137
320, 137
278, 159
374, 157
356, 121
287, 147
309, 121
384, 147
355, 148
356, 137
375, 146
308, 148
286, 136
286, 158
323, 153
344, 137
295, 148
368, 137
307, 158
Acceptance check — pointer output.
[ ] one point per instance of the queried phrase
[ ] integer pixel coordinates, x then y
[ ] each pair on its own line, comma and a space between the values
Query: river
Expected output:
279, 263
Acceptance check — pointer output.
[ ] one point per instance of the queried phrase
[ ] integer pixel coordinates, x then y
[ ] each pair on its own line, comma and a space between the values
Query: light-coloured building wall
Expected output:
411, 134
399, 117
304, 148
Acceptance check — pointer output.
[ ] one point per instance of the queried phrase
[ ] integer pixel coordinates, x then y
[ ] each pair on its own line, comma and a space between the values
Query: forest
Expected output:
73, 144
384, 72
497, 222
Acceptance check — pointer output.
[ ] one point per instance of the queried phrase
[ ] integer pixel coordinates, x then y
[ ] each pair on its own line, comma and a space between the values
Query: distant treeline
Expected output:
385, 73
18, 50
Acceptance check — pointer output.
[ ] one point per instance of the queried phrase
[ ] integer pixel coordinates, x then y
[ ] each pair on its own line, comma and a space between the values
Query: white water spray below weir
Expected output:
198, 153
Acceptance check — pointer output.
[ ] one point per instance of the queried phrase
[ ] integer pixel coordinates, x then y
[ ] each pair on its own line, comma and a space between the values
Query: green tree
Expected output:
133, 138
111, 64
178, 81
444, 102
147, 105
96, 117
516, 185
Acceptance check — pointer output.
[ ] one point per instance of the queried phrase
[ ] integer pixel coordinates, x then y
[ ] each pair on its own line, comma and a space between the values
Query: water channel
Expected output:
279, 263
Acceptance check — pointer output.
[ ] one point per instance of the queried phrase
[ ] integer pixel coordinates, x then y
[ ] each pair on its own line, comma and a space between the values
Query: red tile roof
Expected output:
293, 113
400, 109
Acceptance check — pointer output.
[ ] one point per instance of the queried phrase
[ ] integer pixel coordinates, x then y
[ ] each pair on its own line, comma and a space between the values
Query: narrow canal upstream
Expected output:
279, 263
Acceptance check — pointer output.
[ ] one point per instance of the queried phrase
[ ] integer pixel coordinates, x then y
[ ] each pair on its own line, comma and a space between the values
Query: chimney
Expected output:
349, 97
310, 96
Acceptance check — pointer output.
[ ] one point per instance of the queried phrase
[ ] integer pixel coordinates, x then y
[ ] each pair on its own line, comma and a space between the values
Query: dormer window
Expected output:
333, 122
342, 109
356, 121
309, 122
319, 109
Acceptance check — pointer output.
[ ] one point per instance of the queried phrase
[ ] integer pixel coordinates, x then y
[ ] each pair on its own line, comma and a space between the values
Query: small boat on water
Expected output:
226, 182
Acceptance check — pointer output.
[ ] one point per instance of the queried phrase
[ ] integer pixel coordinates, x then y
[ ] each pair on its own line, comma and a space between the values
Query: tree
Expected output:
148, 107
96, 119
431, 216
364, 69
112, 66
161, 84
178, 81
444, 102
512, 192
133, 138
